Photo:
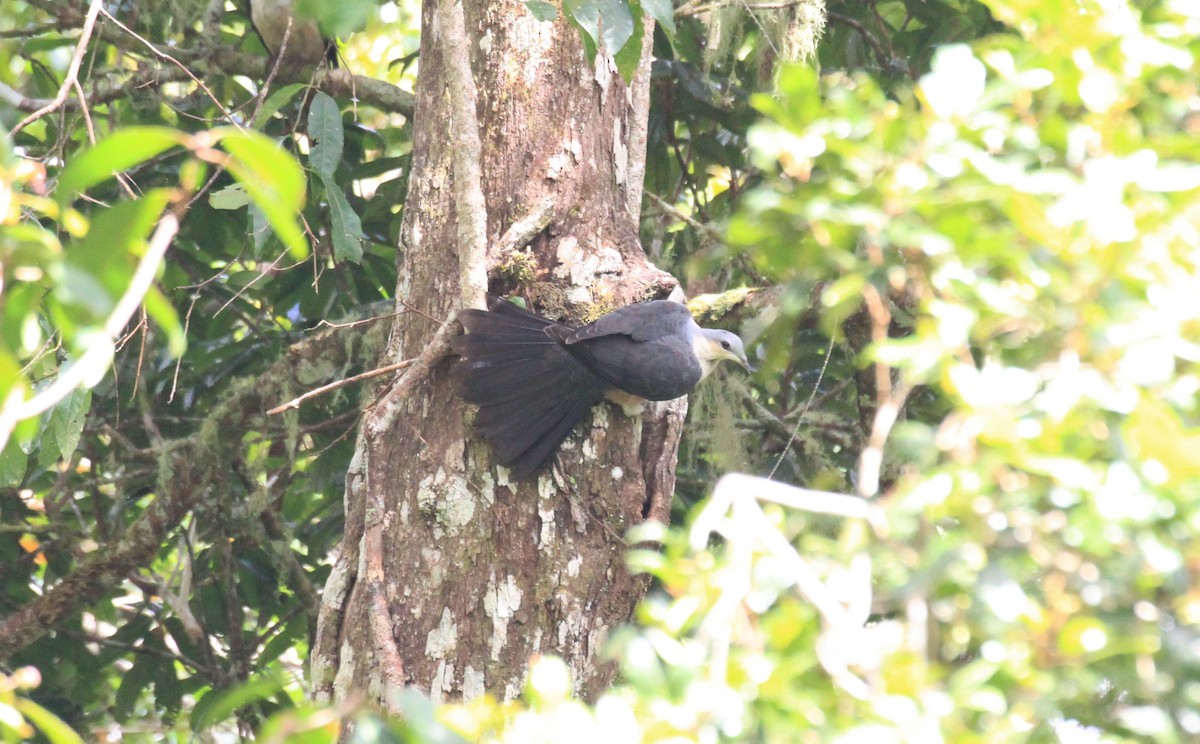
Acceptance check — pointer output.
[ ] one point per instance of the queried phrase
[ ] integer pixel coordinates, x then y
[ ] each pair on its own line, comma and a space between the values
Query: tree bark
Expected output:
450, 576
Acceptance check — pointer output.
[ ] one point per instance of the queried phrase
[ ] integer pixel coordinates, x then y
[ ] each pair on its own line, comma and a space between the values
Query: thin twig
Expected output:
295, 402
374, 318
804, 412
881, 55
870, 460
890, 398
388, 407
680, 215
89, 24
163, 55
99, 354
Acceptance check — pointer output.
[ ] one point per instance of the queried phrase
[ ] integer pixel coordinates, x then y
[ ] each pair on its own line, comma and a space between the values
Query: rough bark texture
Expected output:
451, 577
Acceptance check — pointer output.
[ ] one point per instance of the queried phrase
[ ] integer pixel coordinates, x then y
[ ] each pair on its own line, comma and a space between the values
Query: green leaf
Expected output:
97, 267
66, 422
542, 10
8, 158
325, 128
662, 11
118, 152
420, 717
346, 228
276, 101
168, 691
13, 463
305, 725
50, 725
133, 684
233, 196
273, 179
186, 644
608, 23
259, 230
217, 706
630, 55
292, 633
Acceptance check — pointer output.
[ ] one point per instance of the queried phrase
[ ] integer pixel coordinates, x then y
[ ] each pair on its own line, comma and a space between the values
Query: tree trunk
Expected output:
450, 576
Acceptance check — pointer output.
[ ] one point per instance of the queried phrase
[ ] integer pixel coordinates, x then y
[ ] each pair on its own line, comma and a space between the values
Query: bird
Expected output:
534, 379
306, 47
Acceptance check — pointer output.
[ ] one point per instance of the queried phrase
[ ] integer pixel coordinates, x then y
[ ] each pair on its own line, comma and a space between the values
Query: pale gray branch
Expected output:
470, 209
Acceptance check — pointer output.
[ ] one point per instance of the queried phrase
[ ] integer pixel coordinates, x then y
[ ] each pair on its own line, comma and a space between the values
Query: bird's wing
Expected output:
643, 321
531, 393
643, 349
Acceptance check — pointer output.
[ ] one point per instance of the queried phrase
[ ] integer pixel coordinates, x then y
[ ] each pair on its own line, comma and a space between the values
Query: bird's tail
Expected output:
531, 393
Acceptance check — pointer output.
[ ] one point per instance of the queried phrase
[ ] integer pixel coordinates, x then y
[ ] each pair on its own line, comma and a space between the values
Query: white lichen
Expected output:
347, 671
442, 639
546, 536
447, 499
442, 682
570, 627
500, 603
558, 163
473, 684
434, 568
545, 487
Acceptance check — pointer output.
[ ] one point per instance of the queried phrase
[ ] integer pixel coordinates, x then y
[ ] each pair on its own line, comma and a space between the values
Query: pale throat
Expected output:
703, 350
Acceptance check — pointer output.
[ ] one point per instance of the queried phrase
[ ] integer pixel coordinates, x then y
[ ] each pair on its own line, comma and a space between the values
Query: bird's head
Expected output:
716, 345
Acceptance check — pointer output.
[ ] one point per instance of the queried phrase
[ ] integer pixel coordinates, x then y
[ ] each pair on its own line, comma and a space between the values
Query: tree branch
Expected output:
519, 233
470, 209
295, 402
89, 24
200, 63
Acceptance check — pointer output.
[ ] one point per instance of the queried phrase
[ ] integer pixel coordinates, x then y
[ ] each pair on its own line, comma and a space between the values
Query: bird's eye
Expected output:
725, 345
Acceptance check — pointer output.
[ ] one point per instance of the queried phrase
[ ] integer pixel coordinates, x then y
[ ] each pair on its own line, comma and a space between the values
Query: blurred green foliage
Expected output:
991, 210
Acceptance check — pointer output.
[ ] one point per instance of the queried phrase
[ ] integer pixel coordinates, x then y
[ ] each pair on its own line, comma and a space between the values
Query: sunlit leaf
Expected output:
120, 151
233, 196
225, 704
1158, 435
48, 724
66, 423
273, 179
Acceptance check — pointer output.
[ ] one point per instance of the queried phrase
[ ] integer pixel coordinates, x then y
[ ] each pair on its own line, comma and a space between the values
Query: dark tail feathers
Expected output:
531, 393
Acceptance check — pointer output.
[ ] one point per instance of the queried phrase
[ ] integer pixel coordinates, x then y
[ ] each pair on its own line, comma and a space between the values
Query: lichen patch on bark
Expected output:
500, 603
448, 499
473, 685
442, 639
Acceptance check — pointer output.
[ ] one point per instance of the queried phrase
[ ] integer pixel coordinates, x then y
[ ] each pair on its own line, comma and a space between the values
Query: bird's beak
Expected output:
739, 359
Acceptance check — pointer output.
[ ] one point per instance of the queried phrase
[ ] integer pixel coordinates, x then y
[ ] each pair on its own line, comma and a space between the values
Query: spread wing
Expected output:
531, 393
